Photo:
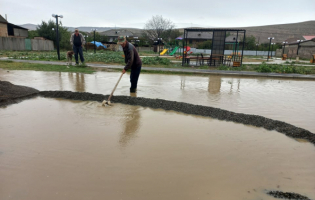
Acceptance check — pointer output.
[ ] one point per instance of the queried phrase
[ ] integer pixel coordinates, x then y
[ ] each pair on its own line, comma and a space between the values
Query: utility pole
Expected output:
57, 31
270, 38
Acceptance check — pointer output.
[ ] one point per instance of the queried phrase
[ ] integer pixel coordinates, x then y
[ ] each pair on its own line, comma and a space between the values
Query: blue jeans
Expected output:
77, 50
134, 76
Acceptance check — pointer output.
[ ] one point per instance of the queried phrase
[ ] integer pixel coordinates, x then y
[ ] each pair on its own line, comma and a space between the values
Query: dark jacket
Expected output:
132, 58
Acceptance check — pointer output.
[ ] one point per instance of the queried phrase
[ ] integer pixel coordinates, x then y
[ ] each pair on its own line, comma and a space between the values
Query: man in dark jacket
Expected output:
132, 60
77, 41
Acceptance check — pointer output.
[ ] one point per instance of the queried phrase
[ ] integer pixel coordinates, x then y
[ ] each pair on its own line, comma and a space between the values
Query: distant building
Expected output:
10, 30
113, 34
309, 37
3, 27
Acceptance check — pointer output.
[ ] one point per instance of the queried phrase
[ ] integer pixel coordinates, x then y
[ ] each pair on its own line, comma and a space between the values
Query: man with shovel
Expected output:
132, 60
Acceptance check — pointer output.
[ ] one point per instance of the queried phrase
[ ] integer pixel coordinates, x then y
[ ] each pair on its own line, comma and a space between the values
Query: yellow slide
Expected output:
163, 52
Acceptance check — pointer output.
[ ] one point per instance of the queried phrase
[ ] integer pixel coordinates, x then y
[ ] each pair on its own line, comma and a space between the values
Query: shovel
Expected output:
104, 103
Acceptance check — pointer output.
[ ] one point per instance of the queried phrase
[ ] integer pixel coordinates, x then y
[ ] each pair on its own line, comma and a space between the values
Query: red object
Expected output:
187, 48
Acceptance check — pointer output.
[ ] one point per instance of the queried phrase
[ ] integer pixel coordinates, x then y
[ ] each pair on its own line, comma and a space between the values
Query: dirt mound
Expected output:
10, 93
287, 195
255, 120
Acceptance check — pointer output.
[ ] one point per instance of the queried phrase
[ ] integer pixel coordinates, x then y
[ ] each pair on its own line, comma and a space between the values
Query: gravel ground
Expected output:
10, 93
287, 195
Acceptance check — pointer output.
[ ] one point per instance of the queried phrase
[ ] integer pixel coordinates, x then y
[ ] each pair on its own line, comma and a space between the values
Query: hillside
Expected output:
280, 32
81, 28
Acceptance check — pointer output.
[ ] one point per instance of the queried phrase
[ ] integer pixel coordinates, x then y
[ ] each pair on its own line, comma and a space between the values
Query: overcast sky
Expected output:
184, 13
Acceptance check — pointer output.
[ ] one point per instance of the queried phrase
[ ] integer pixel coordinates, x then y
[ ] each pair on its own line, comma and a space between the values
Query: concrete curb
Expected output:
193, 71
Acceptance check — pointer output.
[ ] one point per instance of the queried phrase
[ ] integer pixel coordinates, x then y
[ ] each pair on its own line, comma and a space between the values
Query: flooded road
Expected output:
72, 150
288, 100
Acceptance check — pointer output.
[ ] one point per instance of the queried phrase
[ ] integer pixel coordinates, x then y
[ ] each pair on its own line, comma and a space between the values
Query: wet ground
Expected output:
62, 149
288, 100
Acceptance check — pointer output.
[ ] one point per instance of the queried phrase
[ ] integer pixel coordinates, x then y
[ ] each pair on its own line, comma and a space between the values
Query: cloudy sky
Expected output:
184, 13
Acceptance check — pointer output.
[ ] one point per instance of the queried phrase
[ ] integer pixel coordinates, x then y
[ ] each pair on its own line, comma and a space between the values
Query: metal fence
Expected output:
22, 44
228, 52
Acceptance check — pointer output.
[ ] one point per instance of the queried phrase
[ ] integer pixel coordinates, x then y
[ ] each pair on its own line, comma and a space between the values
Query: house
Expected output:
309, 37
11, 30
113, 34
193, 38
3, 27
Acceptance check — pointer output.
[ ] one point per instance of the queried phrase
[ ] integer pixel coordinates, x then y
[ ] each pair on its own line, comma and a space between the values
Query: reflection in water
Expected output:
182, 82
60, 81
232, 85
79, 82
131, 123
214, 85
283, 99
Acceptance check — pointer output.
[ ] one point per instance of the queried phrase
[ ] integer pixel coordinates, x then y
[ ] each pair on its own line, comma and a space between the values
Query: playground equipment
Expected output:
174, 51
163, 52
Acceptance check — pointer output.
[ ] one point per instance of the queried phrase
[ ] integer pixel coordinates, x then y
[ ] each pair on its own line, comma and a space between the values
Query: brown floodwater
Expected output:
72, 150
289, 100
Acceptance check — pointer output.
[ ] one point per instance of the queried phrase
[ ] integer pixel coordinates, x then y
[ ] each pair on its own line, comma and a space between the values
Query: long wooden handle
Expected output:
115, 87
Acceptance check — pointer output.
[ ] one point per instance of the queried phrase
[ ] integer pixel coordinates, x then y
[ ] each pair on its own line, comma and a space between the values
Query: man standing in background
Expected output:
77, 41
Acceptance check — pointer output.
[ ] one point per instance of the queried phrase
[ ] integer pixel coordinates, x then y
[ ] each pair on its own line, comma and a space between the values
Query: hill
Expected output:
81, 28
280, 32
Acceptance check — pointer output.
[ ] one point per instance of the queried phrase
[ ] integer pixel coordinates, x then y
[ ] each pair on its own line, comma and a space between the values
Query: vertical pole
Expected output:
243, 48
297, 52
283, 49
85, 44
256, 48
236, 44
57, 38
94, 43
183, 47
269, 48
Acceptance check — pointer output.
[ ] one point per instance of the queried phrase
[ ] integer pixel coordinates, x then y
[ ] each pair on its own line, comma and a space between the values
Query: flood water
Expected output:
72, 150
289, 100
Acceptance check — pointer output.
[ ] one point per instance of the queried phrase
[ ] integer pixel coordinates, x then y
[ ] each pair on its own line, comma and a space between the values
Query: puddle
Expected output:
288, 100
80, 150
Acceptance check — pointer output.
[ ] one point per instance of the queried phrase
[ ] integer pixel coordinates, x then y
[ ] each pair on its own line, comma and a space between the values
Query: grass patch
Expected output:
9, 65
284, 69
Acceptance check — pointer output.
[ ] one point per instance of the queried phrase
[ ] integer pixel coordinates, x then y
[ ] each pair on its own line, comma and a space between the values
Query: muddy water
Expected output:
61, 149
288, 100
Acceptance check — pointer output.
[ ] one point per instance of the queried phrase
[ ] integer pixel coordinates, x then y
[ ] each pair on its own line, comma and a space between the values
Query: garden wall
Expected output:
21, 44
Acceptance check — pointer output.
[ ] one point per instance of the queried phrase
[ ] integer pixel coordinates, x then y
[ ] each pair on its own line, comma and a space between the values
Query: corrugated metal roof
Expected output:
16, 26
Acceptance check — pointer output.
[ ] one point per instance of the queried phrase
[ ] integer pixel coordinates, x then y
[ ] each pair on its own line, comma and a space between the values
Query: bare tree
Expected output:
158, 27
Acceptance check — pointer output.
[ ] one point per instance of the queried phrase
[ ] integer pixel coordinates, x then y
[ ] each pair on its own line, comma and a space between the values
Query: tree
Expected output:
45, 30
250, 43
158, 27
32, 34
98, 37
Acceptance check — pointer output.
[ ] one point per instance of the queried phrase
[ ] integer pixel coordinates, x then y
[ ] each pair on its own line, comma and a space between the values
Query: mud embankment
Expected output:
216, 113
287, 195
10, 93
